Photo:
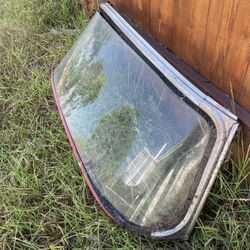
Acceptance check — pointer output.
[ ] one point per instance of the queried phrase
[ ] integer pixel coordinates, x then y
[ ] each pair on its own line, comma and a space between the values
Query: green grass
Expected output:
45, 204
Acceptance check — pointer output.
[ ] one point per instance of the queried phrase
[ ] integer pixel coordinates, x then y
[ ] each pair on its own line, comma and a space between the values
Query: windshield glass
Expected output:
141, 142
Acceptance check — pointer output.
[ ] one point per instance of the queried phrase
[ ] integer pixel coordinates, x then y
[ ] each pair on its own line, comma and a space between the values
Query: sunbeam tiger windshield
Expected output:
143, 142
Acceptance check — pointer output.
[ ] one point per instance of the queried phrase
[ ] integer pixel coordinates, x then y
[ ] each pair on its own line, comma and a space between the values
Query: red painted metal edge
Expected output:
73, 146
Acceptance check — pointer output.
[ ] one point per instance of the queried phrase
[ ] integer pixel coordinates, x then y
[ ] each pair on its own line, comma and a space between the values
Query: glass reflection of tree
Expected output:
112, 140
84, 83
82, 77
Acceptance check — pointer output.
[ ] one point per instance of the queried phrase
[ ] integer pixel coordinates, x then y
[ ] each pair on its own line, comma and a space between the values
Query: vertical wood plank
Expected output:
136, 10
237, 55
228, 33
214, 37
244, 96
162, 19
191, 29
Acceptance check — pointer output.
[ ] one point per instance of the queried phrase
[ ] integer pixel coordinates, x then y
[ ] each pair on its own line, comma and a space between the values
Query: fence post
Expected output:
90, 7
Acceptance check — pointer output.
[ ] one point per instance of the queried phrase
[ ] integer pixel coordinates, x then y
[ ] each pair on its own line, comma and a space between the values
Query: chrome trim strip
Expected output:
225, 122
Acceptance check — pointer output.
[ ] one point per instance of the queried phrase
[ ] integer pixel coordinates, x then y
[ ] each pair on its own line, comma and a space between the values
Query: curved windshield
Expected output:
141, 142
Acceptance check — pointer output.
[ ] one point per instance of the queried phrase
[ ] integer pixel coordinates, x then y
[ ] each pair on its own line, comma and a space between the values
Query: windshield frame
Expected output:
222, 122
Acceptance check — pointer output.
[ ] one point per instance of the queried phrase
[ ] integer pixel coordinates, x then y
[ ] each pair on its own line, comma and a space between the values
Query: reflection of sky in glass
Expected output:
159, 142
